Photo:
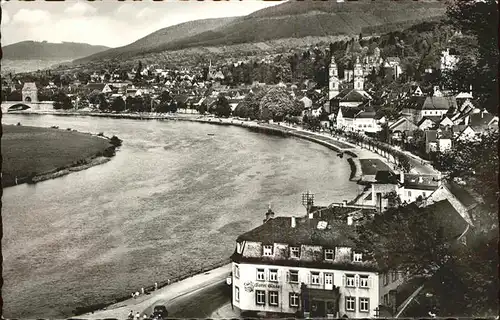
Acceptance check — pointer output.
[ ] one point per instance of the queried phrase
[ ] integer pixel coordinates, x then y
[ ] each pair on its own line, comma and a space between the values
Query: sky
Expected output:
109, 22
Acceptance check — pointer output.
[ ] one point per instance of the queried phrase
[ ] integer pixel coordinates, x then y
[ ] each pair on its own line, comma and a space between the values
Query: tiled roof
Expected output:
348, 112
431, 103
480, 120
279, 230
402, 124
96, 86
434, 119
351, 95
430, 136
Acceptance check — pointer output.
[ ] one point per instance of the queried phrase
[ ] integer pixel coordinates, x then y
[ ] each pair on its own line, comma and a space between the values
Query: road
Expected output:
200, 303
194, 297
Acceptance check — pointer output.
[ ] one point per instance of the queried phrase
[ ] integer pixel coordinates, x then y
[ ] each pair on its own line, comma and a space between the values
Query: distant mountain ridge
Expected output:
292, 19
34, 50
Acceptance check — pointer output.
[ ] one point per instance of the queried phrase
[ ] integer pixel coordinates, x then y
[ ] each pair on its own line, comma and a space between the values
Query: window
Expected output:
409, 193
329, 254
386, 279
363, 281
294, 299
314, 277
364, 304
350, 303
236, 272
260, 275
236, 294
357, 257
293, 276
294, 252
260, 297
350, 280
423, 194
394, 276
273, 298
273, 275
268, 250
386, 299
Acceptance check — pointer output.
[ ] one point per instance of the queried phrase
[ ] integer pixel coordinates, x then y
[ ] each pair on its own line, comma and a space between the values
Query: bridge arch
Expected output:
18, 106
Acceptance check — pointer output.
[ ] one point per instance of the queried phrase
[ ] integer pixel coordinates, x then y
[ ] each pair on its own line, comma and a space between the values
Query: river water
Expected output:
173, 199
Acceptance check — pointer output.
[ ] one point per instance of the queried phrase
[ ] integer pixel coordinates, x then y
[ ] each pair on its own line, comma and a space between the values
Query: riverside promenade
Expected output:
162, 296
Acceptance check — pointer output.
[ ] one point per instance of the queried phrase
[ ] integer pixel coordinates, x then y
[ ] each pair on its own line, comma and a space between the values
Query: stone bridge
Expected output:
27, 106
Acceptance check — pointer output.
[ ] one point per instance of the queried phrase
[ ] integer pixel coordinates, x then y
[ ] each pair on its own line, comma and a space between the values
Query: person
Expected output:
131, 315
137, 316
156, 285
142, 290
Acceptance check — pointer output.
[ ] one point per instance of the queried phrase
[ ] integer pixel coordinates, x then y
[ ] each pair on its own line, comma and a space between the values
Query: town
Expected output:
419, 240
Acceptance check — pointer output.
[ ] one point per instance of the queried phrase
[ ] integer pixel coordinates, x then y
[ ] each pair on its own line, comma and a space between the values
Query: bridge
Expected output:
27, 106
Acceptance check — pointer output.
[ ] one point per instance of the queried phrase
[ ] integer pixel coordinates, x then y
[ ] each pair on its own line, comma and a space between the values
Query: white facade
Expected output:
366, 125
448, 61
270, 288
334, 80
410, 195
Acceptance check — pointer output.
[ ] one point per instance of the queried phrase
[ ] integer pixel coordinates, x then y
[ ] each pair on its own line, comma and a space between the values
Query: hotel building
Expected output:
304, 267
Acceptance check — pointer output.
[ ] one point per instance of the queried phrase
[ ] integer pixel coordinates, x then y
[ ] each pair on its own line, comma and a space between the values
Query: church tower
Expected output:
333, 80
358, 76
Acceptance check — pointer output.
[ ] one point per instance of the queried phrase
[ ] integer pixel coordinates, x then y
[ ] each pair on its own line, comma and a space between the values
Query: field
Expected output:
28, 150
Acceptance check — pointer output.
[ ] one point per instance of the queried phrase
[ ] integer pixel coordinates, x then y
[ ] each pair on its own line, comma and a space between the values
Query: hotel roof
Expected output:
305, 232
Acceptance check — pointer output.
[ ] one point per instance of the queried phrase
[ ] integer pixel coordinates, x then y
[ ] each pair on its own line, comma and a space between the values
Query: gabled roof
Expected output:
403, 124
29, 86
351, 95
481, 120
431, 103
434, 119
305, 232
349, 112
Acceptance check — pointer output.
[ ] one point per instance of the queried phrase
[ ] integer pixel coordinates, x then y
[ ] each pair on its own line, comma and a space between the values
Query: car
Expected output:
160, 311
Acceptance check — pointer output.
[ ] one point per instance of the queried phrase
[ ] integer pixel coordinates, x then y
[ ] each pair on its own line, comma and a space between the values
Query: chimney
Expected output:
401, 177
294, 222
470, 90
344, 203
482, 114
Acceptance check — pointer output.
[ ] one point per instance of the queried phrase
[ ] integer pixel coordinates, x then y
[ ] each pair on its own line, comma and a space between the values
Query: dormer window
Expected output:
357, 257
294, 252
268, 250
329, 254
238, 247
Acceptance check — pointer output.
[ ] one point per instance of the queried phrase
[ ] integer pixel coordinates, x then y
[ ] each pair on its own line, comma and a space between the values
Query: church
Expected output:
354, 95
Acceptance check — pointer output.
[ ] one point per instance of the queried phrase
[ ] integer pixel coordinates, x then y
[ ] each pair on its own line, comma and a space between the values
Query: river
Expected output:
173, 199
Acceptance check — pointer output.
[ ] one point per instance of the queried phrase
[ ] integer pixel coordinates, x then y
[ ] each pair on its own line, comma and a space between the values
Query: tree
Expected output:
15, 96
138, 74
222, 107
118, 105
202, 108
407, 238
62, 101
478, 66
103, 103
476, 164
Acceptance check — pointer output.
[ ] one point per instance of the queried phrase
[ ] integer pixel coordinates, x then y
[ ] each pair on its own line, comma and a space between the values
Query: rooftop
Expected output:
305, 232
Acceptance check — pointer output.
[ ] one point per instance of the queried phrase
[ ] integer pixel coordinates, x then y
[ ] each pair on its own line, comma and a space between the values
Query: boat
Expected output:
211, 134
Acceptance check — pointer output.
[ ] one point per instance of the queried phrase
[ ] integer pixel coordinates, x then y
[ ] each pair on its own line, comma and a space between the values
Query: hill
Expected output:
162, 36
33, 50
293, 19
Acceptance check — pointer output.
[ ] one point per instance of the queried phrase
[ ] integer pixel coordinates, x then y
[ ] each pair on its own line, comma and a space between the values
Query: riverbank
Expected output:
341, 147
34, 154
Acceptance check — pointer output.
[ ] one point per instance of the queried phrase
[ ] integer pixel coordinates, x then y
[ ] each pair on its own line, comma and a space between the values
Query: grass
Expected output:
28, 150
